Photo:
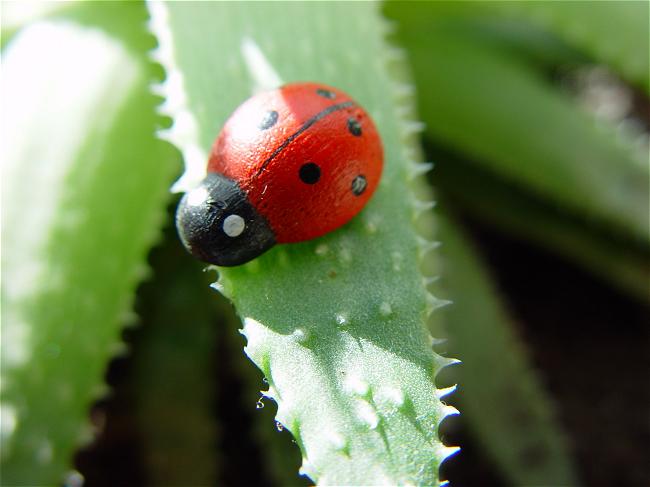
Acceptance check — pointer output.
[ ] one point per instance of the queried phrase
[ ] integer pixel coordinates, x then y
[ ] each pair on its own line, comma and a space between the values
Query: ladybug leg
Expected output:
218, 224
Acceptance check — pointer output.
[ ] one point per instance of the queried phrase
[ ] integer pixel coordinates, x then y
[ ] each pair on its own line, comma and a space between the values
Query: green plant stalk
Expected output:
84, 184
502, 399
336, 325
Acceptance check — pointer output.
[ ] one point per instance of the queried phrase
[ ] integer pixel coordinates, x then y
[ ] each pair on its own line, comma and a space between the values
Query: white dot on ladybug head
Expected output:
197, 196
233, 225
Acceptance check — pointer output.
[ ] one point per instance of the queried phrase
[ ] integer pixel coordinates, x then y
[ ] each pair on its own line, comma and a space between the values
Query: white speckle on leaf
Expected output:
367, 414
355, 385
371, 227
345, 255
300, 335
391, 395
322, 249
336, 440
341, 319
385, 309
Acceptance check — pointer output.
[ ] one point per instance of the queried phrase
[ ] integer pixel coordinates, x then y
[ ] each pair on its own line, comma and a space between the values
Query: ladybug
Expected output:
289, 165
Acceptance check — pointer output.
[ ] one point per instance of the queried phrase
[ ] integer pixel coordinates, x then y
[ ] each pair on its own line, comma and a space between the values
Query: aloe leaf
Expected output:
84, 186
280, 457
502, 399
615, 33
172, 381
485, 103
337, 324
489, 198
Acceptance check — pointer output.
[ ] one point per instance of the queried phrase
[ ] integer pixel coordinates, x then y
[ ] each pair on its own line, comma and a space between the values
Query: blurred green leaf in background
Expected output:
536, 116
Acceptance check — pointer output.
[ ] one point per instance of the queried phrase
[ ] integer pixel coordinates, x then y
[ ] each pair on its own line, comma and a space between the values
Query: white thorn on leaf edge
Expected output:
438, 341
442, 362
434, 303
419, 169
413, 126
445, 391
427, 281
447, 451
449, 411
422, 206
184, 132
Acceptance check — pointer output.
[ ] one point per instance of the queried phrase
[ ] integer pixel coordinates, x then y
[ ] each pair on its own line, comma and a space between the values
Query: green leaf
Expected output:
489, 198
336, 324
281, 458
615, 33
84, 185
502, 399
487, 104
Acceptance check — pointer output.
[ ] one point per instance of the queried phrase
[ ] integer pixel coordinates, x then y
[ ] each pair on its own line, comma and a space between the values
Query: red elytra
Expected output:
289, 165
307, 156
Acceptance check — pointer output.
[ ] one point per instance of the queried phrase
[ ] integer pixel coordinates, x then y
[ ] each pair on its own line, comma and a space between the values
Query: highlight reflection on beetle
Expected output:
289, 165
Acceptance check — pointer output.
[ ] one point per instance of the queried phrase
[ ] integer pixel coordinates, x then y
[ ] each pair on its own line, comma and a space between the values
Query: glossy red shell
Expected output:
266, 162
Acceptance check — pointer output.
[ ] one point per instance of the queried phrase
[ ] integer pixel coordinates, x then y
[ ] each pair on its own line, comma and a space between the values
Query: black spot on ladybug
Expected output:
354, 127
269, 120
359, 184
326, 93
320, 115
309, 173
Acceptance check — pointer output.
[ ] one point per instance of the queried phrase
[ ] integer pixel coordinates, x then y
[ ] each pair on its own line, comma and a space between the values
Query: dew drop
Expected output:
279, 426
259, 404
341, 320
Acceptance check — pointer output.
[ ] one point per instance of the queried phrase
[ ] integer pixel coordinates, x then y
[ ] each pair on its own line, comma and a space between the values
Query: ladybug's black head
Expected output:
217, 223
